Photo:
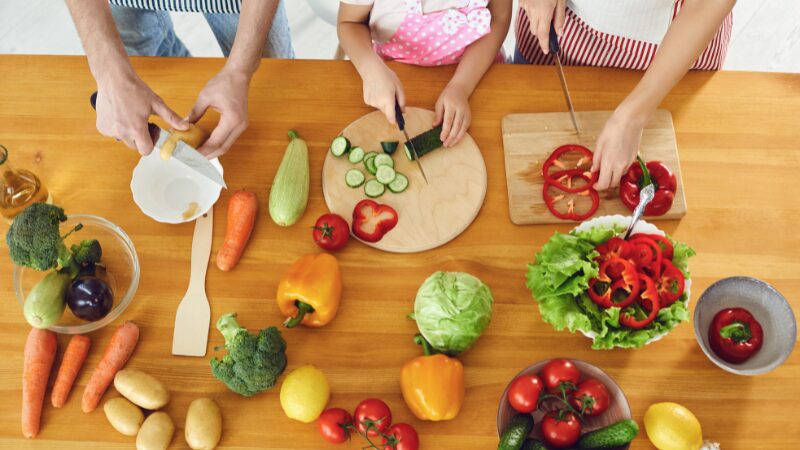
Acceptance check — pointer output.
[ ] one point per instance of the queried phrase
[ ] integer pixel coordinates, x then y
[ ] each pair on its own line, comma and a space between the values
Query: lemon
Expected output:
671, 426
304, 394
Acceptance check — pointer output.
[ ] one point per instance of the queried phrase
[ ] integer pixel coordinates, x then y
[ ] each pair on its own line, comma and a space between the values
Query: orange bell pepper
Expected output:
433, 385
310, 290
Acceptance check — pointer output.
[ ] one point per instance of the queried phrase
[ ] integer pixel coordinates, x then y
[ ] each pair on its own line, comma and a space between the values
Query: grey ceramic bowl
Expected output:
769, 308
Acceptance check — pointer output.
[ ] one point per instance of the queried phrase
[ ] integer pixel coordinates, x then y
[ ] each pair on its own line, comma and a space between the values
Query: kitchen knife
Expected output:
555, 49
184, 153
401, 123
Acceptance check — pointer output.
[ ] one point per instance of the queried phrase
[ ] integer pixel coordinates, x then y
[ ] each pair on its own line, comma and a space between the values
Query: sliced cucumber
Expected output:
370, 165
424, 143
399, 184
384, 160
374, 188
389, 147
354, 178
340, 145
385, 174
370, 155
356, 155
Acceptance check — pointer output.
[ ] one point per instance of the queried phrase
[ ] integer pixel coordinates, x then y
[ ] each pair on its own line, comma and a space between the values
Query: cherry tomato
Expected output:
331, 232
591, 398
523, 394
561, 432
558, 371
373, 414
332, 425
402, 436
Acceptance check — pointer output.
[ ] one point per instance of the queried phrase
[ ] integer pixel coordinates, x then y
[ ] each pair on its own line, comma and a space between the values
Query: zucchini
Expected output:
288, 196
354, 178
374, 188
385, 174
384, 160
356, 155
424, 143
516, 432
389, 147
399, 184
370, 165
612, 436
340, 145
45, 303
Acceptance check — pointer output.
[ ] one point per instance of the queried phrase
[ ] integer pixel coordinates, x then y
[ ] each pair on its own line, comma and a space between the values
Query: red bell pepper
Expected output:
567, 158
553, 195
647, 256
614, 247
670, 283
638, 176
735, 335
667, 250
372, 220
644, 311
616, 284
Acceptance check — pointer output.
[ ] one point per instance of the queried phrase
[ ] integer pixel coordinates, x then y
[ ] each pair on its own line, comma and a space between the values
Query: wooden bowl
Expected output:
618, 408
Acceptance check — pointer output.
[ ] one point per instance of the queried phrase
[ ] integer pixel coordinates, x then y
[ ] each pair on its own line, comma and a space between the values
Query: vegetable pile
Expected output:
622, 294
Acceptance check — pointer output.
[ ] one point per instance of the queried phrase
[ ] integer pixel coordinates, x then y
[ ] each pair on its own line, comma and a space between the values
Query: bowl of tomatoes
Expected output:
560, 402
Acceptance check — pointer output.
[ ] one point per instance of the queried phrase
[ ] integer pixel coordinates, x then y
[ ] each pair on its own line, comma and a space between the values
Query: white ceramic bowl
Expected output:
768, 307
164, 190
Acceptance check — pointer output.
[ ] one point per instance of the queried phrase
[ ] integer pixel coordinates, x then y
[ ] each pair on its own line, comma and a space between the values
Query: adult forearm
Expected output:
255, 21
100, 39
480, 56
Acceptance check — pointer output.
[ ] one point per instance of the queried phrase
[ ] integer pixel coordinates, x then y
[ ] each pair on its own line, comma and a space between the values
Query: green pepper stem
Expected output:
736, 331
303, 308
646, 179
427, 349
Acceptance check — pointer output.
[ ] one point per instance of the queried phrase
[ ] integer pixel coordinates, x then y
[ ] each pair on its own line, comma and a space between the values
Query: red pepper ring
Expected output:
667, 250
615, 246
647, 256
670, 283
562, 180
615, 276
555, 160
634, 316
551, 200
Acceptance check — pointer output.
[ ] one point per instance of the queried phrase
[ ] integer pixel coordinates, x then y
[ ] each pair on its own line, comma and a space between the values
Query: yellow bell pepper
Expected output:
433, 385
310, 290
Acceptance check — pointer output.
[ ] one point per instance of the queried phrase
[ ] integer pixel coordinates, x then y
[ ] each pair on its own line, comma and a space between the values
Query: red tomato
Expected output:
591, 398
402, 436
373, 414
332, 425
523, 394
558, 371
331, 232
561, 433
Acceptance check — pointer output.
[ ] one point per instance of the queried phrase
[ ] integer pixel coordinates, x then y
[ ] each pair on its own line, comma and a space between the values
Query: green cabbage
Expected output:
452, 309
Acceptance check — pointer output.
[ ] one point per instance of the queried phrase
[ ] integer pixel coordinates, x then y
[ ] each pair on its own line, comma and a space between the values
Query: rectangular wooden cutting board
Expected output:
528, 139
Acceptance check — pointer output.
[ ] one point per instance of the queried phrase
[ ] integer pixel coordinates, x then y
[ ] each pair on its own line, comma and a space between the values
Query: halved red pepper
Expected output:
667, 250
614, 247
644, 311
567, 157
670, 284
372, 220
647, 256
616, 284
735, 335
552, 199
639, 175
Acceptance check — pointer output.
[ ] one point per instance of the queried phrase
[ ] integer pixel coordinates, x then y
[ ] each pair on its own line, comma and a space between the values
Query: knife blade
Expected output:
555, 50
401, 123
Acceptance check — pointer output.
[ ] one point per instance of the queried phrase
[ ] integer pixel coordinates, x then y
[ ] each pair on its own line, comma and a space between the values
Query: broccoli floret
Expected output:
254, 362
87, 252
34, 239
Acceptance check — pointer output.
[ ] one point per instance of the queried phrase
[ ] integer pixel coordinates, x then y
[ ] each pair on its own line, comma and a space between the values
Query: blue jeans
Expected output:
150, 33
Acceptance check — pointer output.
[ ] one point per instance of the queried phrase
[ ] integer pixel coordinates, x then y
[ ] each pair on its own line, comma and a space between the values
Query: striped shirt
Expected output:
204, 6
621, 40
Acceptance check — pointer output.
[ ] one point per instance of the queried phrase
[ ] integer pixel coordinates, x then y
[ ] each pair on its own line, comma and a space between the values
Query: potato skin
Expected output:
203, 424
156, 432
123, 415
141, 389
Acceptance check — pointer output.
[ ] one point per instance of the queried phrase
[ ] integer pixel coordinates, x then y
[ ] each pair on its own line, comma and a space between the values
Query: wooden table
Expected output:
739, 145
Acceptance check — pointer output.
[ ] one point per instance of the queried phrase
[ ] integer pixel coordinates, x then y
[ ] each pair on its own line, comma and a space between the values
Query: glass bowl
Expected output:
122, 271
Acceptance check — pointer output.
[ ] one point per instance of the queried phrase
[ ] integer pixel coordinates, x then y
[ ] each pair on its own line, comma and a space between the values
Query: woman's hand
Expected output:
540, 14
381, 88
617, 147
453, 113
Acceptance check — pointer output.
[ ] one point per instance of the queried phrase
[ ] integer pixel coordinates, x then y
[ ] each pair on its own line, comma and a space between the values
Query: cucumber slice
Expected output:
356, 155
389, 147
370, 165
354, 178
385, 174
384, 160
424, 143
399, 184
374, 188
340, 145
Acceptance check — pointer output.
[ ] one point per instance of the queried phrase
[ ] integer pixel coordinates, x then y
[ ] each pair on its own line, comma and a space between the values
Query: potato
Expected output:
194, 137
156, 432
203, 424
124, 416
140, 388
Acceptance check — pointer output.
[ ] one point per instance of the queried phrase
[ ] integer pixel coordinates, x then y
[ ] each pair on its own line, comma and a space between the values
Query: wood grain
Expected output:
739, 143
430, 214
528, 139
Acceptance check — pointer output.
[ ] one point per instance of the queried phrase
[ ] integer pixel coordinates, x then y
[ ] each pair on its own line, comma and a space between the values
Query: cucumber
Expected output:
370, 165
516, 432
356, 155
533, 444
354, 178
340, 146
612, 436
399, 184
424, 143
45, 303
385, 174
384, 160
370, 155
389, 147
288, 197
374, 188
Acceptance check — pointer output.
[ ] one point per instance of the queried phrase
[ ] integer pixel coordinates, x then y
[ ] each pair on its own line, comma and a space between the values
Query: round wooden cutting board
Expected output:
429, 215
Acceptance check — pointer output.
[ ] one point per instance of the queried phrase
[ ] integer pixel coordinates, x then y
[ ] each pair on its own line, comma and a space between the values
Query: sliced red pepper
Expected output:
574, 202
571, 180
643, 312
615, 247
670, 284
372, 220
667, 250
566, 157
647, 256
616, 284
735, 335
638, 175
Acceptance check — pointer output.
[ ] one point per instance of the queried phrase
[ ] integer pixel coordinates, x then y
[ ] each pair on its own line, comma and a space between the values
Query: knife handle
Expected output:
554, 47
398, 114
151, 127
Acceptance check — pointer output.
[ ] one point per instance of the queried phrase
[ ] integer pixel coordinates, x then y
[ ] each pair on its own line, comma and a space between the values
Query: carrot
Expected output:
40, 352
116, 354
71, 363
242, 209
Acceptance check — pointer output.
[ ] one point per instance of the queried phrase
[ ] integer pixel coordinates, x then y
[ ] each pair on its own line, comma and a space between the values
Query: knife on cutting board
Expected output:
181, 146
401, 123
555, 50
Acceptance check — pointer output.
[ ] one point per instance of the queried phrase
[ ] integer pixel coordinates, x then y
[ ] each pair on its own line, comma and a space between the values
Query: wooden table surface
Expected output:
739, 144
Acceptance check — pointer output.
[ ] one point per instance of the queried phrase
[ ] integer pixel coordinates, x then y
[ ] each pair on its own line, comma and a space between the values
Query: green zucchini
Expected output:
516, 432
612, 436
45, 303
356, 155
424, 143
374, 188
288, 196
340, 145
389, 147
354, 178
399, 184
385, 174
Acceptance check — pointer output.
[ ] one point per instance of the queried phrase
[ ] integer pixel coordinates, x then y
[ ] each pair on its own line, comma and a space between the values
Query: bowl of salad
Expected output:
619, 294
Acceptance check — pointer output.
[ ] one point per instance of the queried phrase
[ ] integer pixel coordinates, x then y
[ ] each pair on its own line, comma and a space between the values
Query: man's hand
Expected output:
381, 88
226, 93
540, 14
616, 148
453, 113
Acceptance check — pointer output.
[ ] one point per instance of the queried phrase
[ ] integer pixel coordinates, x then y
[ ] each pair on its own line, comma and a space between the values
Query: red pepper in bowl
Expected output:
639, 175
735, 335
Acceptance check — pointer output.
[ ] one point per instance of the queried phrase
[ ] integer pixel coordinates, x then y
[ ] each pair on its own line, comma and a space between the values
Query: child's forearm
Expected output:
689, 34
356, 41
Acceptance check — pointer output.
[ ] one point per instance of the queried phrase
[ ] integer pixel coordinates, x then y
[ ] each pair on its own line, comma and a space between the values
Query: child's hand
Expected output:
453, 113
616, 148
381, 87
540, 14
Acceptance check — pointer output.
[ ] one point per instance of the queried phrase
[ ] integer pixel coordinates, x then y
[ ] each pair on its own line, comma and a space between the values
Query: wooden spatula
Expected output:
190, 337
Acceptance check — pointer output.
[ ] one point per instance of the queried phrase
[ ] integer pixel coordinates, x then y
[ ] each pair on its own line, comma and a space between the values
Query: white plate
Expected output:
164, 190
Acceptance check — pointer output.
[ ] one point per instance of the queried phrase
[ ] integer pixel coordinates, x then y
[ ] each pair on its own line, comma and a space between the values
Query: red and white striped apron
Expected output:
584, 45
